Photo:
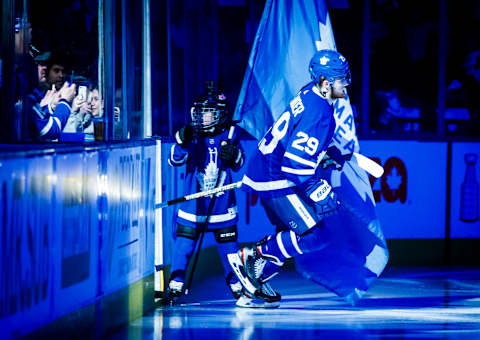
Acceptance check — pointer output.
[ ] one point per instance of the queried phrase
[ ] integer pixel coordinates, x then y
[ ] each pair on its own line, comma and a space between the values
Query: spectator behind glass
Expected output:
41, 61
94, 104
56, 70
81, 115
25, 75
47, 113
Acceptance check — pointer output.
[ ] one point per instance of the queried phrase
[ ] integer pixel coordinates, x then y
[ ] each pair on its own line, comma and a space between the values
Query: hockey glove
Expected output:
324, 199
230, 154
184, 135
334, 157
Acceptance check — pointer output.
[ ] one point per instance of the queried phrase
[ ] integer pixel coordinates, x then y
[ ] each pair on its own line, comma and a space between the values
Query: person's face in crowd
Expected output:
42, 73
95, 102
56, 76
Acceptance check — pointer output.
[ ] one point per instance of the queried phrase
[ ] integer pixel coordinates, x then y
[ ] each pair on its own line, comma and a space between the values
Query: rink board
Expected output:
420, 185
77, 226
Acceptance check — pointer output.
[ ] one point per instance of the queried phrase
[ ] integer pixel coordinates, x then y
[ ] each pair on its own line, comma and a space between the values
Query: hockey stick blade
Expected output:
227, 187
370, 166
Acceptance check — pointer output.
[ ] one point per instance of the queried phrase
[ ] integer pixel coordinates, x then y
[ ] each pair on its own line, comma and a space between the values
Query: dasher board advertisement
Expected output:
464, 191
411, 194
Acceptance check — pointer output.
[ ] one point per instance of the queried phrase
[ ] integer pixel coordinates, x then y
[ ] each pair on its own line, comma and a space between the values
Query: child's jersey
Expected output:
203, 166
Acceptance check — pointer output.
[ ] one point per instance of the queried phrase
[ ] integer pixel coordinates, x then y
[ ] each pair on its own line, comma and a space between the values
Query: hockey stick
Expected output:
196, 195
370, 166
207, 218
363, 162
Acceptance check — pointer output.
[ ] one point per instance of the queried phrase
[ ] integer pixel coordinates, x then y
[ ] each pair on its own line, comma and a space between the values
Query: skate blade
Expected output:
168, 302
247, 302
237, 266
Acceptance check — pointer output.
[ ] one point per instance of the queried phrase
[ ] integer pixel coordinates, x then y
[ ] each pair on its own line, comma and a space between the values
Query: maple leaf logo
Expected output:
394, 179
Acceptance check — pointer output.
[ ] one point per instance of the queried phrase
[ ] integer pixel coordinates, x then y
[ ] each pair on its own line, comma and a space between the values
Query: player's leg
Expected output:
227, 243
357, 247
183, 249
256, 265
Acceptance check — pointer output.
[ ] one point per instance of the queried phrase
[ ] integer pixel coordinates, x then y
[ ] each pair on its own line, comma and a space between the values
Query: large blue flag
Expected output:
288, 35
278, 64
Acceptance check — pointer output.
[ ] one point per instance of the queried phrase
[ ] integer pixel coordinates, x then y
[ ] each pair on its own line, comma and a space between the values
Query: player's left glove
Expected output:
230, 154
184, 136
333, 157
325, 200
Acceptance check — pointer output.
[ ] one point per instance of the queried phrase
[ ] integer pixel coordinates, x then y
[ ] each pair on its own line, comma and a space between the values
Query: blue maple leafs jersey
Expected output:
43, 122
290, 151
203, 165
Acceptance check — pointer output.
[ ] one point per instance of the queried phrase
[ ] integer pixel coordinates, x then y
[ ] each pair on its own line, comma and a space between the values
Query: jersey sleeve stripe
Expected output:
58, 122
47, 127
300, 160
266, 186
298, 171
65, 103
39, 113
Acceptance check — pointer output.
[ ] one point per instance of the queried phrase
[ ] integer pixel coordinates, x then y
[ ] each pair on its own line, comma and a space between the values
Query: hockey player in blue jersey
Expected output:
209, 148
285, 173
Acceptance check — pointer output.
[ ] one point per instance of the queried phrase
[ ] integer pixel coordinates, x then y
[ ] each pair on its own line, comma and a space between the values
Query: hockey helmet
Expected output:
331, 65
209, 110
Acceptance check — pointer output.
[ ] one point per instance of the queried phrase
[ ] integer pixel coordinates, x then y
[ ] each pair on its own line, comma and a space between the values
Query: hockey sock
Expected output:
181, 255
281, 247
314, 240
223, 250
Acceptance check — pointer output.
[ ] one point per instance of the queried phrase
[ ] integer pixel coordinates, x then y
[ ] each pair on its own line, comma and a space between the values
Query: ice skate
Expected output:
234, 285
236, 289
249, 267
173, 292
248, 301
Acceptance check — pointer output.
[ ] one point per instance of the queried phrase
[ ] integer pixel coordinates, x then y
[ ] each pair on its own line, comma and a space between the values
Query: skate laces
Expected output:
254, 263
258, 266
